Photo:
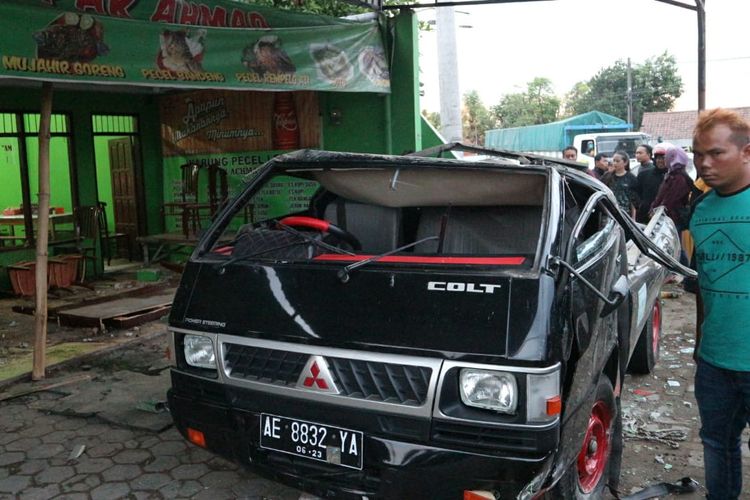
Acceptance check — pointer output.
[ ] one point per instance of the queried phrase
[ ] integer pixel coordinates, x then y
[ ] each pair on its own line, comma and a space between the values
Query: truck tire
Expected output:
597, 465
646, 352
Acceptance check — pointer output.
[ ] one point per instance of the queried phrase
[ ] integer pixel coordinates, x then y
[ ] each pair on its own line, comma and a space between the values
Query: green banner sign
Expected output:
216, 13
128, 42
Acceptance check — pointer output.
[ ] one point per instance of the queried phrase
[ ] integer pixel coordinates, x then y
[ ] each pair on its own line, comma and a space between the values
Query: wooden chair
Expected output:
190, 209
107, 237
218, 189
87, 237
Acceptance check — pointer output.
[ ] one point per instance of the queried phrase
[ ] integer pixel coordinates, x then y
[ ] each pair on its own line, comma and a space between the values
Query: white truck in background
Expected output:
590, 133
588, 145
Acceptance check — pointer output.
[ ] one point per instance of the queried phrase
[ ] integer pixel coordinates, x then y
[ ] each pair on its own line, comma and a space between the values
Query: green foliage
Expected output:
433, 117
334, 8
656, 85
577, 94
476, 119
537, 105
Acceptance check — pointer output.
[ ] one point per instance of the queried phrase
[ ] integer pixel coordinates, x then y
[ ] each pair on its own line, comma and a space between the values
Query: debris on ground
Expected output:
76, 452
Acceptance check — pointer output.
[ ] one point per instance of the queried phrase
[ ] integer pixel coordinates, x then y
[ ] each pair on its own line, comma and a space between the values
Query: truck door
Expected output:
594, 251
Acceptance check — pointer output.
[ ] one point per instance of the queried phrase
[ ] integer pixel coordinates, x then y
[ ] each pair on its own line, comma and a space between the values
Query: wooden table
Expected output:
54, 219
168, 243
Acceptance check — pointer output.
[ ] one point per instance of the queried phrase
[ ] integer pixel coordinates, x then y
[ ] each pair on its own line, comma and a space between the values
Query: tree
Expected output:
476, 119
433, 117
335, 8
577, 94
537, 105
656, 85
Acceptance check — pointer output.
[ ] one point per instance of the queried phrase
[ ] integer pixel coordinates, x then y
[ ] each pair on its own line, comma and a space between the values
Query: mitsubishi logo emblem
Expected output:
316, 376
321, 382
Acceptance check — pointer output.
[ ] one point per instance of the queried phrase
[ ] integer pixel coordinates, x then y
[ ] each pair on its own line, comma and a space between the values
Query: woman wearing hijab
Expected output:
674, 192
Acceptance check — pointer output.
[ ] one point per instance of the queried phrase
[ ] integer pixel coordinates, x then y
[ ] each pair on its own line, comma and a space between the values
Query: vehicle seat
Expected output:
377, 228
510, 230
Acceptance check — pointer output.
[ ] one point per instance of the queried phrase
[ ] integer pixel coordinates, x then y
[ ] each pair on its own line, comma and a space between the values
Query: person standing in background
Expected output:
601, 165
674, 192
650, 178
570, 153
690, 284
720, 224
643, 156
623, 184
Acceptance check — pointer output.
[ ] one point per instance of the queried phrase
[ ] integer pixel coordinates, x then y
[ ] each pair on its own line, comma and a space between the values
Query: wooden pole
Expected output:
40, 318
701, 4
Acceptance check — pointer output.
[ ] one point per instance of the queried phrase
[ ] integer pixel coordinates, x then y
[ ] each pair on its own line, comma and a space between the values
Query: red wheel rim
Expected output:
656, 328
592, 459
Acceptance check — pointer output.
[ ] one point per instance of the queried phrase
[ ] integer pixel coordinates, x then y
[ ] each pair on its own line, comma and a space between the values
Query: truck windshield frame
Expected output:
466, 224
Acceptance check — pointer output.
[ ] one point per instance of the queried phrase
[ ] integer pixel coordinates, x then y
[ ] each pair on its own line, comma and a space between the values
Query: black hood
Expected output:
450, 314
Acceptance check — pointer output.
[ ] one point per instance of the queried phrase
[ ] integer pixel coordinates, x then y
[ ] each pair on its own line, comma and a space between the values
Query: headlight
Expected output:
199, 351
543, 402
489, 389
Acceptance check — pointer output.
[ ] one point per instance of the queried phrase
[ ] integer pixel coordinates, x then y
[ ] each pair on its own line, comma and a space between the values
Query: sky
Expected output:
567, 41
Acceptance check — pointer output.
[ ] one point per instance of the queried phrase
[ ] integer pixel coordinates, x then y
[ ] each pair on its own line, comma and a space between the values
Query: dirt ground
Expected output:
17, 330
660, 416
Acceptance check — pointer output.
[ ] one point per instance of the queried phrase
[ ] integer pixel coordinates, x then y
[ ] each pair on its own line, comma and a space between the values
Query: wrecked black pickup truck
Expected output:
413, 327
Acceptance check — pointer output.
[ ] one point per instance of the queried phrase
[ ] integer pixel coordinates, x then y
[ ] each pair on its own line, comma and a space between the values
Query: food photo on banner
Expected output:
217, 45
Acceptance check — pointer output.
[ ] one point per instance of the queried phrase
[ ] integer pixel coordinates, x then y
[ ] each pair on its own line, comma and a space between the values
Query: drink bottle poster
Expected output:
184, 44
216, 121
238, 132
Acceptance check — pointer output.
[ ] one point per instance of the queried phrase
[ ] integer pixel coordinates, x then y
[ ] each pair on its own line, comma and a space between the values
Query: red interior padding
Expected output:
311, 222
415, 259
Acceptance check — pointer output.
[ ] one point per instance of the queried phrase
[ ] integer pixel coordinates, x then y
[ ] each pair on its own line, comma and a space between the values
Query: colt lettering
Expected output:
451, 286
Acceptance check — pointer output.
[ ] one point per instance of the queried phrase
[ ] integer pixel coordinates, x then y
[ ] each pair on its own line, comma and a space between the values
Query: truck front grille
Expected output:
403, 384
354, 378
263, 365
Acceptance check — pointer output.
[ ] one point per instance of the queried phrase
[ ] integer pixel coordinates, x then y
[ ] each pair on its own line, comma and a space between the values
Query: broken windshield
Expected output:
443, 216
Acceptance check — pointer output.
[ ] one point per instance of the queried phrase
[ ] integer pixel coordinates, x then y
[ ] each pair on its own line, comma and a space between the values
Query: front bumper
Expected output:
403, 457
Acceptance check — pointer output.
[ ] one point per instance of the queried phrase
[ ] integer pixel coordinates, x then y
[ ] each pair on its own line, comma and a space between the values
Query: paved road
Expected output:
132, 452
130, 449
35, 462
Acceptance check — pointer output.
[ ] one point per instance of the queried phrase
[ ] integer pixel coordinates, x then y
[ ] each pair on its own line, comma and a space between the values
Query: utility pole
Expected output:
629, 94
450, 98
701, 5
700, 9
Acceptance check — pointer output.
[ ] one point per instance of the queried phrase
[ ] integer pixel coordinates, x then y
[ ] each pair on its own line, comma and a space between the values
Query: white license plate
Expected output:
325, 443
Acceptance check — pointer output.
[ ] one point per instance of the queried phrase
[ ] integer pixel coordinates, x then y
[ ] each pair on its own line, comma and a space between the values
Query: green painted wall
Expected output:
406, 119
10, 179
60, 187
381, 123
80, 105
362, 128
430, 136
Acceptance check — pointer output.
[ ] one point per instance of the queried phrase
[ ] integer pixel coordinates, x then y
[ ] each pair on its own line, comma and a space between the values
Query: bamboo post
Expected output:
40, 318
